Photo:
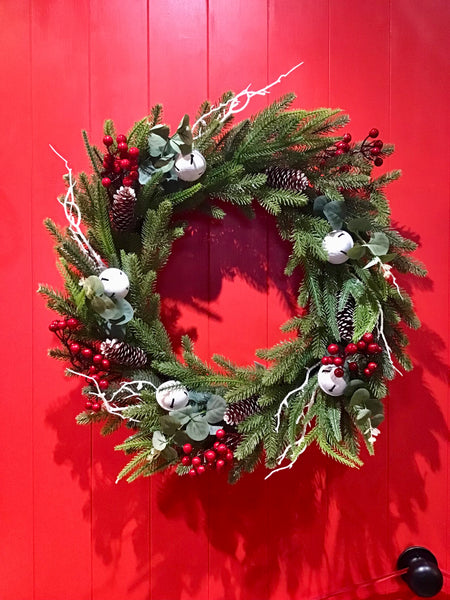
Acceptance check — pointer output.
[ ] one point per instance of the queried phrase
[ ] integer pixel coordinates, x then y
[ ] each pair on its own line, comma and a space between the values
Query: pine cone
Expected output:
238, 411
344, 319
123, 354
286, 179
122, 209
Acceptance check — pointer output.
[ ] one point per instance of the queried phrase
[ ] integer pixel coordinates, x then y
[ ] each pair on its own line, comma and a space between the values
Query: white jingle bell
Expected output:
336, 245
191, 166
172, 395
329, 383
115, 282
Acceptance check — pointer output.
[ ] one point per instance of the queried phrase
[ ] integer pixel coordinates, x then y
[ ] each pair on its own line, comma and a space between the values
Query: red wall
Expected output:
67, 531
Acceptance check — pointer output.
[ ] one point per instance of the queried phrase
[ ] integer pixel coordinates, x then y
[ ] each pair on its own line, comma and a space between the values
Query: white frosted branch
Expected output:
239, 102
73, 216
380, 329
284, 402
298, 442
126, 386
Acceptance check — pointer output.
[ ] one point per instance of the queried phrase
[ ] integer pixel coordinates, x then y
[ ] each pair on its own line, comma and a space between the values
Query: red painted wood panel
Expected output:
16, 466
67, 530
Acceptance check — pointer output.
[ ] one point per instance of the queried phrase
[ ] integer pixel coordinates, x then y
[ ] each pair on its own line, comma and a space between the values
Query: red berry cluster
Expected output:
207, 459
370, 150
365, 347
120, 162
83, 357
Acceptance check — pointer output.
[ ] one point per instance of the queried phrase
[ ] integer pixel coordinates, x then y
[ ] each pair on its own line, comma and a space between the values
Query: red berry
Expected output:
105, 364
220, 433
333, 349
88, 405
373, 133
97, 359
378, 161
72, 323
368, 338
108, 158
86, 353
229, 456
338, 361
74, 348
133, 152
222, 449
196, 461
210, 455
379, 349
187, 448
216, 445
219, 464
186, 461
122, 146
121, 139
125, 164
96, 377
193, 473
103, 384
326, 360
372, 348
347, 138
134, 175
201, 469
351, 348
339, 372
108, 141
117, 169
353, 366
361, 346
375, 151
127, 181
92, 370
339, 151
62, 324
53, 326
372, 366
106, 182
367, 372
96, 407
378, 143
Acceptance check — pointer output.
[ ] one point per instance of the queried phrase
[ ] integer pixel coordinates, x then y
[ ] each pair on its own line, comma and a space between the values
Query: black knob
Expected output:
423, 575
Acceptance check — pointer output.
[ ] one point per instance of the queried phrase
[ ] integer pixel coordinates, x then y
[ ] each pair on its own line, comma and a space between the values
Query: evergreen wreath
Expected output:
325, 385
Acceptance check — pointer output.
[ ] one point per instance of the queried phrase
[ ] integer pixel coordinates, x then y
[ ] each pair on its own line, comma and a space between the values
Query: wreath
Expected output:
325, 384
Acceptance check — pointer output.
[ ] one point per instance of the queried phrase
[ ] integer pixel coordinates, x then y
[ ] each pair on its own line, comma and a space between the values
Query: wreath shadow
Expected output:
260, 536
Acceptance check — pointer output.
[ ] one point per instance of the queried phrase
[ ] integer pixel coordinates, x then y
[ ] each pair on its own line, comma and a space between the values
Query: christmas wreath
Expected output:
326, 383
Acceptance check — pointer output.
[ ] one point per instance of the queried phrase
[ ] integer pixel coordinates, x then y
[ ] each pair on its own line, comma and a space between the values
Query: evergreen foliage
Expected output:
342, 193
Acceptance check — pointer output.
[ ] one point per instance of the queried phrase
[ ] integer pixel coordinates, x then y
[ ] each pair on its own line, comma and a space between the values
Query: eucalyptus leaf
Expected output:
334, 213
180, 438
161, 130
376, 420
156, 145
146, 172
159, 440
375, 406
198, 397
359, 397
363, 415
198, 429
378, 243
319, 204
359, 224
170, 454
215, 409
168, 424
388, 257
356, 252
93, 286
184, 132
352, 386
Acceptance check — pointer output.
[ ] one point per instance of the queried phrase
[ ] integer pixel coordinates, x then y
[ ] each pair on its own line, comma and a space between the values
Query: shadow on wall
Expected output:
309, 531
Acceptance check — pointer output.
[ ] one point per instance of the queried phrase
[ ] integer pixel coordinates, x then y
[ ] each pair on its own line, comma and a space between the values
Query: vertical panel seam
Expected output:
33, 489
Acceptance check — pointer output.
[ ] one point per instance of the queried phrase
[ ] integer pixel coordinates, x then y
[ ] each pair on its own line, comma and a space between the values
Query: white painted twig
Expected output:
126, 386
238, 103
73, 216
298, 442
380, 329
284, 402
